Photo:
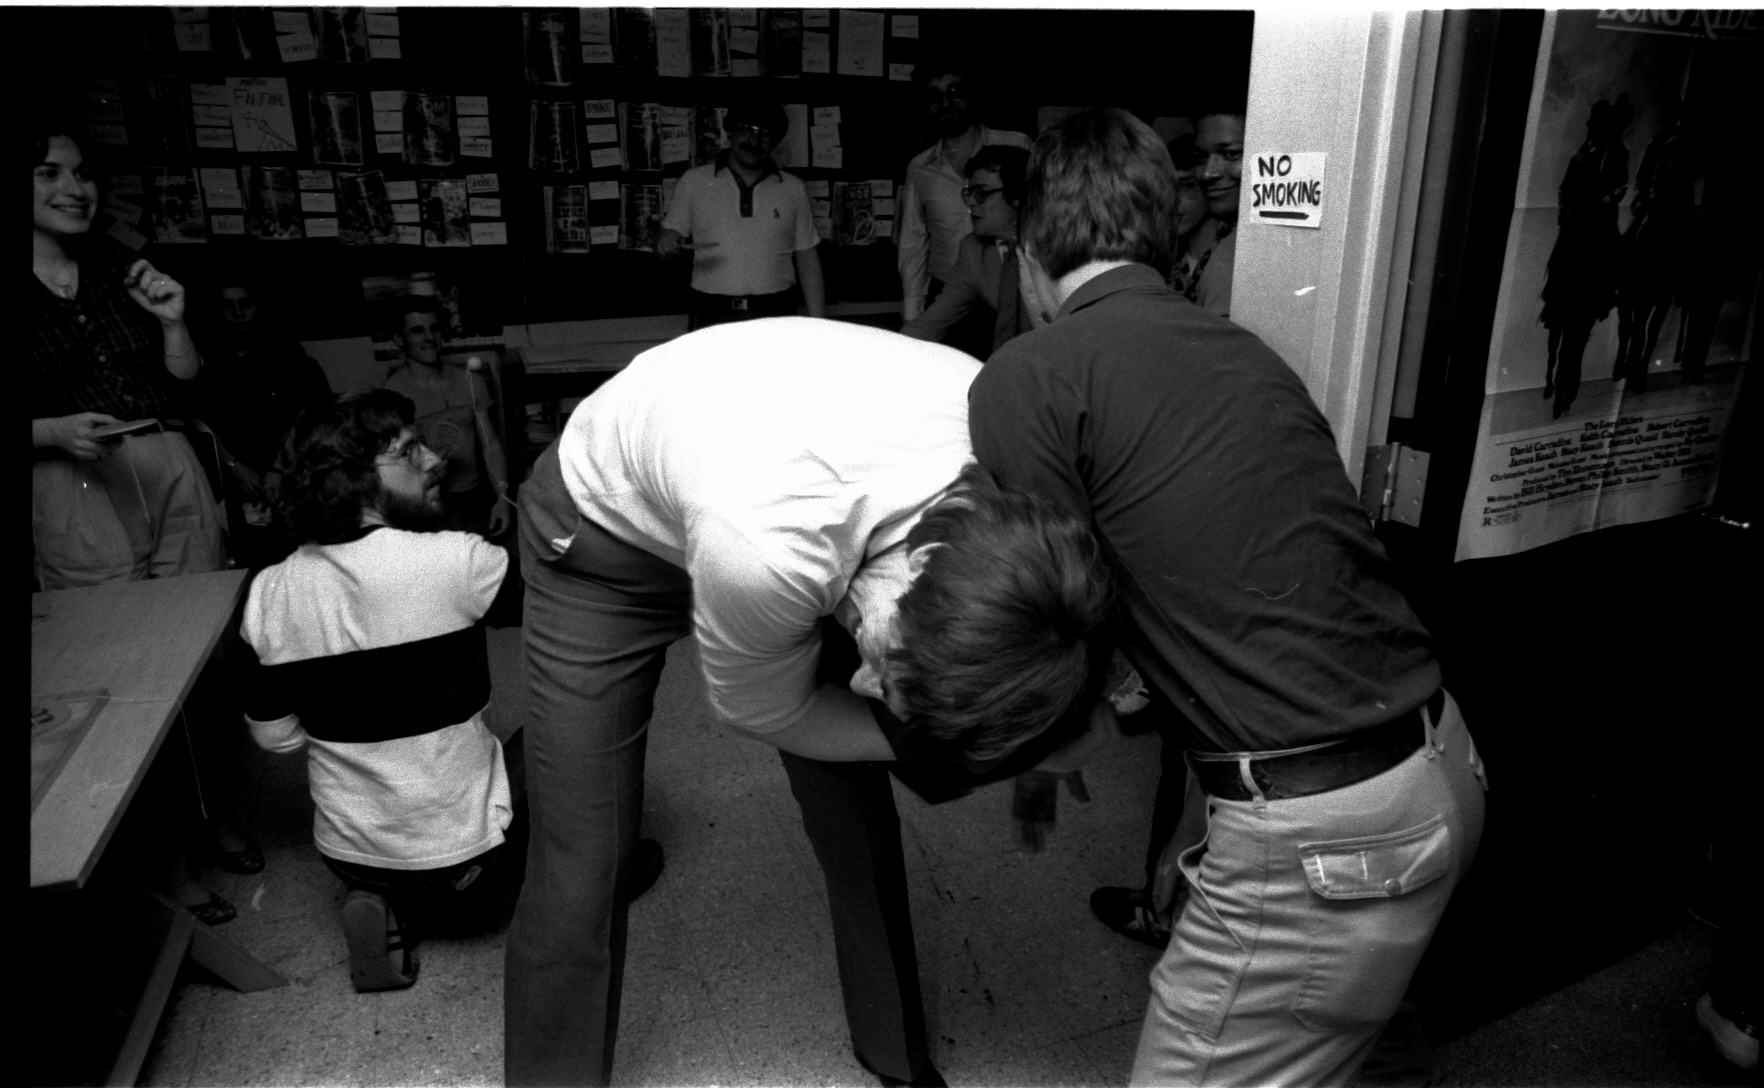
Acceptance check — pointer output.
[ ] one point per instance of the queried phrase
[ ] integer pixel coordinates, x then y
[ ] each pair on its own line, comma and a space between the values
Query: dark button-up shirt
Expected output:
97, 352
1255, 596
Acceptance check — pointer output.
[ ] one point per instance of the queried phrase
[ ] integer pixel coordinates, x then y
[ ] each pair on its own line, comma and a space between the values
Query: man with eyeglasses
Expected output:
987, 275
933, 218
454, 418
751, 227
370, 656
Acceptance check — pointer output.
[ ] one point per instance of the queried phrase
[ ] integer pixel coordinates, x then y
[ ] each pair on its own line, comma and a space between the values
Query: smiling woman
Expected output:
108, 343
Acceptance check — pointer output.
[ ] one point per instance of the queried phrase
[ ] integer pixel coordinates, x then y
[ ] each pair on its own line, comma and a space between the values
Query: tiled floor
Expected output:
730, 976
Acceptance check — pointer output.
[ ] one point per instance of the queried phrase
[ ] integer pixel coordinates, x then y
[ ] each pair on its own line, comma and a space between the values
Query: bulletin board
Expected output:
522, 157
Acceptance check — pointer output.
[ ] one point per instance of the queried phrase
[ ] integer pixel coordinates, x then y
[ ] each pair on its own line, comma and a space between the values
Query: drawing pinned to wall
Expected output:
263, 120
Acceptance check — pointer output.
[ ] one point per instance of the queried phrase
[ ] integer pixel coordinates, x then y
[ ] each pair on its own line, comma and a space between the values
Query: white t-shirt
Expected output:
769, 459
754, 254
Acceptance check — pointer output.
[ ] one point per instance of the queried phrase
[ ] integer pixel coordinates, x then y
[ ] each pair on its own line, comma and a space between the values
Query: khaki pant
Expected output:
1305, 919
143, 510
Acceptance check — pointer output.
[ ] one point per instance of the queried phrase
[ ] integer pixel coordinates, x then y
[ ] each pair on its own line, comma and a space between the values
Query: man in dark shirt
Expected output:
1342, 796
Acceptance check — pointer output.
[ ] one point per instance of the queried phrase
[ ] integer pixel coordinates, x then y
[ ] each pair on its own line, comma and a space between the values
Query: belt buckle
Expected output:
738, 304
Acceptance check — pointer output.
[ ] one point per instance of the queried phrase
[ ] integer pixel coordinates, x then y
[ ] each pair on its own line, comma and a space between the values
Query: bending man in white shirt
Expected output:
744, 484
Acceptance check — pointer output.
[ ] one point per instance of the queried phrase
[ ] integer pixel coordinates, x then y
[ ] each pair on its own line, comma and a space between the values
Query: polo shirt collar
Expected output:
771, 169
1128, 277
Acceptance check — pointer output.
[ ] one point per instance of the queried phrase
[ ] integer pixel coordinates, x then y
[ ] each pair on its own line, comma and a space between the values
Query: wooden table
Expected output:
116, 663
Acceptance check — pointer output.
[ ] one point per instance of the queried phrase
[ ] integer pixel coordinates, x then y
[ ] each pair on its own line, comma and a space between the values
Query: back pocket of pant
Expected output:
1374, 904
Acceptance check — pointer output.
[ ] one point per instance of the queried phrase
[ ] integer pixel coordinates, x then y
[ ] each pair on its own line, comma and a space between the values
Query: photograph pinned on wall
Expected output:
550, 50
446, 212
176, 202
780, 47
428, 129
634, 39
854, 216
551, 131
640, 135
566, 219
708, 137
364, 210
640, 216
342, 35
710, 41
273, 213
336, 127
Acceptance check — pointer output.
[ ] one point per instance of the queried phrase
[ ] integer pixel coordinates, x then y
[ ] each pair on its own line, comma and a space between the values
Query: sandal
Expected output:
216, 912
374, 936
244, 862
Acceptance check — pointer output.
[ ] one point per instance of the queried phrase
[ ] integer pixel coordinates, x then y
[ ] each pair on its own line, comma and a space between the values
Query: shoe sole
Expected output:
1730, 1042
370, 962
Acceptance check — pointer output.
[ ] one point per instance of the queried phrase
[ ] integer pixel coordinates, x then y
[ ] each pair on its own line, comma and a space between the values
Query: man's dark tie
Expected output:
1009, 301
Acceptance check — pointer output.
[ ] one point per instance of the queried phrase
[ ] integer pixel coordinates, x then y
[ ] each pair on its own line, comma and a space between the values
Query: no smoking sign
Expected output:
1287, 189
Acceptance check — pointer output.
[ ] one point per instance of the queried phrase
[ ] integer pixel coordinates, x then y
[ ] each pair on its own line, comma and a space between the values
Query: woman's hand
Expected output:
155, 292
72, 433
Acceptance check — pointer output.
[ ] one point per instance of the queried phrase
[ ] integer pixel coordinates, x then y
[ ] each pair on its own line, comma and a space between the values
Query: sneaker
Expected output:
1127, 912
375, 942
1737, 1041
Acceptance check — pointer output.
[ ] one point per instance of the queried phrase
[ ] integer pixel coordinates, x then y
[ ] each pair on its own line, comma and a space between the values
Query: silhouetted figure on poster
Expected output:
1581, 284
1723, 243
1662, 219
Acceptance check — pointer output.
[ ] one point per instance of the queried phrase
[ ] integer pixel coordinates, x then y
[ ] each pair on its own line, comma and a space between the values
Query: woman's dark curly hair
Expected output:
330, 455
1003, 646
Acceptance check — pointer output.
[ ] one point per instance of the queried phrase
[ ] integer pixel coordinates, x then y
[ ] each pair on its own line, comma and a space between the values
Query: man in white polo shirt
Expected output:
751, 227
761, 486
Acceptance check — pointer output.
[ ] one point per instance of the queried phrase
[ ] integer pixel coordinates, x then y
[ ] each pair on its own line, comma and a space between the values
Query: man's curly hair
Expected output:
1002, 634
330, 455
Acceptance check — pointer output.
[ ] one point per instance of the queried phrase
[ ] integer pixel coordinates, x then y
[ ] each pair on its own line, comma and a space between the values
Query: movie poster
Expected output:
342, 35
634, 38
551, 144
640, 135
708, 137
177, 207
550, 50
336, 127
566, 219
854, 217
710, 41
364, 210
273, 208
1624, 318
780, 51
640, 218
446, 212
428, 129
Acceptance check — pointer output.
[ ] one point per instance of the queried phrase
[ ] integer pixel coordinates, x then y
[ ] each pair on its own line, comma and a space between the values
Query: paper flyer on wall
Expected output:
860, 43
428, 129
640, 135
446, 212
273, 208
1624, 319
364, 210
640, 216
176, 202
854, 219
550, 53
673, 43
551, 137
566, 219
336, 127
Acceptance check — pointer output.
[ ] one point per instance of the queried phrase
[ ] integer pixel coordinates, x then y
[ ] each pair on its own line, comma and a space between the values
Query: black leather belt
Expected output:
1329, 767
